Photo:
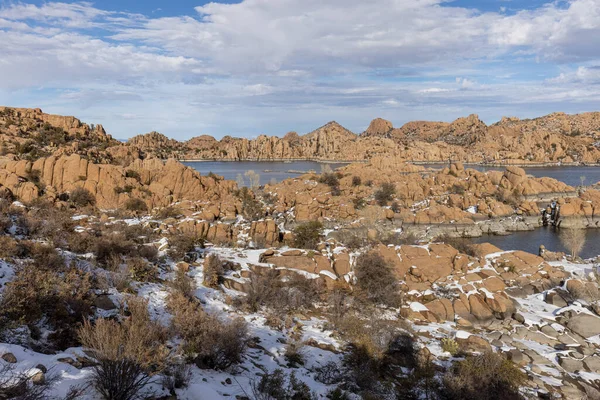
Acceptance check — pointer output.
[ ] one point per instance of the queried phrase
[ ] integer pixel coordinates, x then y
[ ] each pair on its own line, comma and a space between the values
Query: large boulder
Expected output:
586, 325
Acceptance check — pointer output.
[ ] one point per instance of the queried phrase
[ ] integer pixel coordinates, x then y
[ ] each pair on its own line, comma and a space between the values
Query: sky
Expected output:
243, 68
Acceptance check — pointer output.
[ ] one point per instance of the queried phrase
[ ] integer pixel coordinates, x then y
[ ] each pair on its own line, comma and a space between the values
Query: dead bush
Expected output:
308, 234
208, 341
128, 353
356, 181
282, 296
376, 281
483, 377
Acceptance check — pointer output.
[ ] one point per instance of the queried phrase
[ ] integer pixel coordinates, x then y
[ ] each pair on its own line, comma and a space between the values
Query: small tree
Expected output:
308, 234
254, 178
573, 240
356, 181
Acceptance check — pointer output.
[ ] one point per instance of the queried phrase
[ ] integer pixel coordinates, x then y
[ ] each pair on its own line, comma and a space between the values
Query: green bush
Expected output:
356, 181
376, 281
488, 376
308, 234
385, 193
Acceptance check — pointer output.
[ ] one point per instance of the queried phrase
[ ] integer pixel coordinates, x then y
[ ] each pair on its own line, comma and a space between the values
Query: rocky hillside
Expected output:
30, 133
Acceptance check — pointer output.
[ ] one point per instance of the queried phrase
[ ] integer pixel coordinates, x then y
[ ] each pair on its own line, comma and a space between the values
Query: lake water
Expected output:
530, 241
571, 175
268, 170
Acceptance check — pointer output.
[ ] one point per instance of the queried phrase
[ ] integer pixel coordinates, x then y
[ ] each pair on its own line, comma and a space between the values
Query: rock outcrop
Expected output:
152, 180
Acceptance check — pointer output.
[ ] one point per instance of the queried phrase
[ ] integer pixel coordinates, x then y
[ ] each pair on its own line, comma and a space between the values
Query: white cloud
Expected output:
294, 64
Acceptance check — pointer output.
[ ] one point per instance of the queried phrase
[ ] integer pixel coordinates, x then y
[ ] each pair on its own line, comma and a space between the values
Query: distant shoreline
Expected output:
441, 163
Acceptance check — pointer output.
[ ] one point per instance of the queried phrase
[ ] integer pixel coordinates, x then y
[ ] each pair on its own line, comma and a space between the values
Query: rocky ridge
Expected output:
555, 138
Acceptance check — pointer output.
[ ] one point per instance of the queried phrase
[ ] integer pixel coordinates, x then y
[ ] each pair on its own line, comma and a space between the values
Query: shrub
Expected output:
268, 290
62, 298
183, 283
395, 207
449, 345
82, 197
356, 181
130, 173
359, 203
277, 386
293, 355
376, 281
19, 385
181, 245
149, 252
308, 234
214, 269
208, 341
111, 248
385, 193
483, 377
330, 179
136, 204
377, 348
127, 353
176, 376
251, 208
141, 270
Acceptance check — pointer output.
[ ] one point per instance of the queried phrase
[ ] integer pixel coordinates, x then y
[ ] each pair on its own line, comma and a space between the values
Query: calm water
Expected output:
268, 170
530, 241
567, 174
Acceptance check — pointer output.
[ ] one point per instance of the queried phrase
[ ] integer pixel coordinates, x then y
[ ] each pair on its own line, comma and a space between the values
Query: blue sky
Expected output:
243, 68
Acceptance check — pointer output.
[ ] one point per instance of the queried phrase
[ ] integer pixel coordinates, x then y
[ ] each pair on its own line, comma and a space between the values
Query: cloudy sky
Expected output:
185, 67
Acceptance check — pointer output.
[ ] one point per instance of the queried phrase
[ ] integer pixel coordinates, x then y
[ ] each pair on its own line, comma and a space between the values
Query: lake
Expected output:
530, 241
567, 174
268, 170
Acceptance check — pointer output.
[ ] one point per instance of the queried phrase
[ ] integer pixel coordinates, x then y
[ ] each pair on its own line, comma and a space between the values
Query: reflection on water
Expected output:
268, 170
571, 175
530, 241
